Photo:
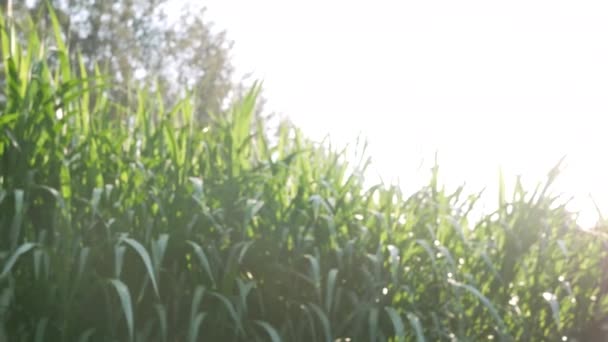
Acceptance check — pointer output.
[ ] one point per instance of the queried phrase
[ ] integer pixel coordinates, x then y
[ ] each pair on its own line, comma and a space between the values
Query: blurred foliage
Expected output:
138, 42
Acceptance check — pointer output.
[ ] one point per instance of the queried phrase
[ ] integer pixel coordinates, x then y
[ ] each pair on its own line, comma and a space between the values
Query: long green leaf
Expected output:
372, 323
484, 300
415, 323
17, 218
398, 325
195, 325
145, 257
272, 332
230, 309
324, 321
330, 289
41, 329
125, 301
162, 319
202, 258
24, 248
86, 335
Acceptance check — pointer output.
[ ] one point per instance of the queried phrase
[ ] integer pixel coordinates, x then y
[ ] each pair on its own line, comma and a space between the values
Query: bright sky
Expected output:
513, 84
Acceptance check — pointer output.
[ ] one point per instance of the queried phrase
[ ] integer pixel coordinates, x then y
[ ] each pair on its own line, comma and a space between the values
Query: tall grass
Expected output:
131, 222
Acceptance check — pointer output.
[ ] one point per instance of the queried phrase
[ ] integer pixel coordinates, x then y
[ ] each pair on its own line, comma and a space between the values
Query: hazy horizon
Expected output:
515, 85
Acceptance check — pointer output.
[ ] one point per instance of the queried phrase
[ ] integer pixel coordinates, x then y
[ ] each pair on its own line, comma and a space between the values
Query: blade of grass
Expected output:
145, 257
272, 333
398, 326
125, 301
415, 323
24, 248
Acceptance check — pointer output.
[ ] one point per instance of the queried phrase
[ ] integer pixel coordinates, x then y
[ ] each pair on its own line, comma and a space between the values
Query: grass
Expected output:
131, 222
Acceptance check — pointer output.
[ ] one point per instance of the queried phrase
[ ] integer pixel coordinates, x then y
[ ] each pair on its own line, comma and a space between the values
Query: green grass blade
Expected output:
145, 257
119, 258
61, 47
125, 301
484, 300
272, 332
398, 326
324, 321
196, 300
17, 218
374, 315
554, 304
24, 248
40, 330
159, 248
202, 258
330, 289
415, 323
86, 335
315, 272
195, 325
244, 290
162, 320
230, 309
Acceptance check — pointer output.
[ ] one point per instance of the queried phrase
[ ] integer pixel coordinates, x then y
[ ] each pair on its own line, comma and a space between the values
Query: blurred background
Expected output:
489, 86
514, 85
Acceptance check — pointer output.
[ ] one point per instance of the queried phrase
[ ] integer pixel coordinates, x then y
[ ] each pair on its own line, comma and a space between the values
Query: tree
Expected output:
137, 41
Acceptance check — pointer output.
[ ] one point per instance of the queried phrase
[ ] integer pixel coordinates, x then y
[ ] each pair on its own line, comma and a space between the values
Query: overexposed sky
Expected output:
512, 84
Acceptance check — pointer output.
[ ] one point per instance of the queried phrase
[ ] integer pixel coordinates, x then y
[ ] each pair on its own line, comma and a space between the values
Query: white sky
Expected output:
516, 84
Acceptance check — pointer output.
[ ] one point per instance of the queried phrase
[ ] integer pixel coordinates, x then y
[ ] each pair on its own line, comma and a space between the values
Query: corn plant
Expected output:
126, 221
